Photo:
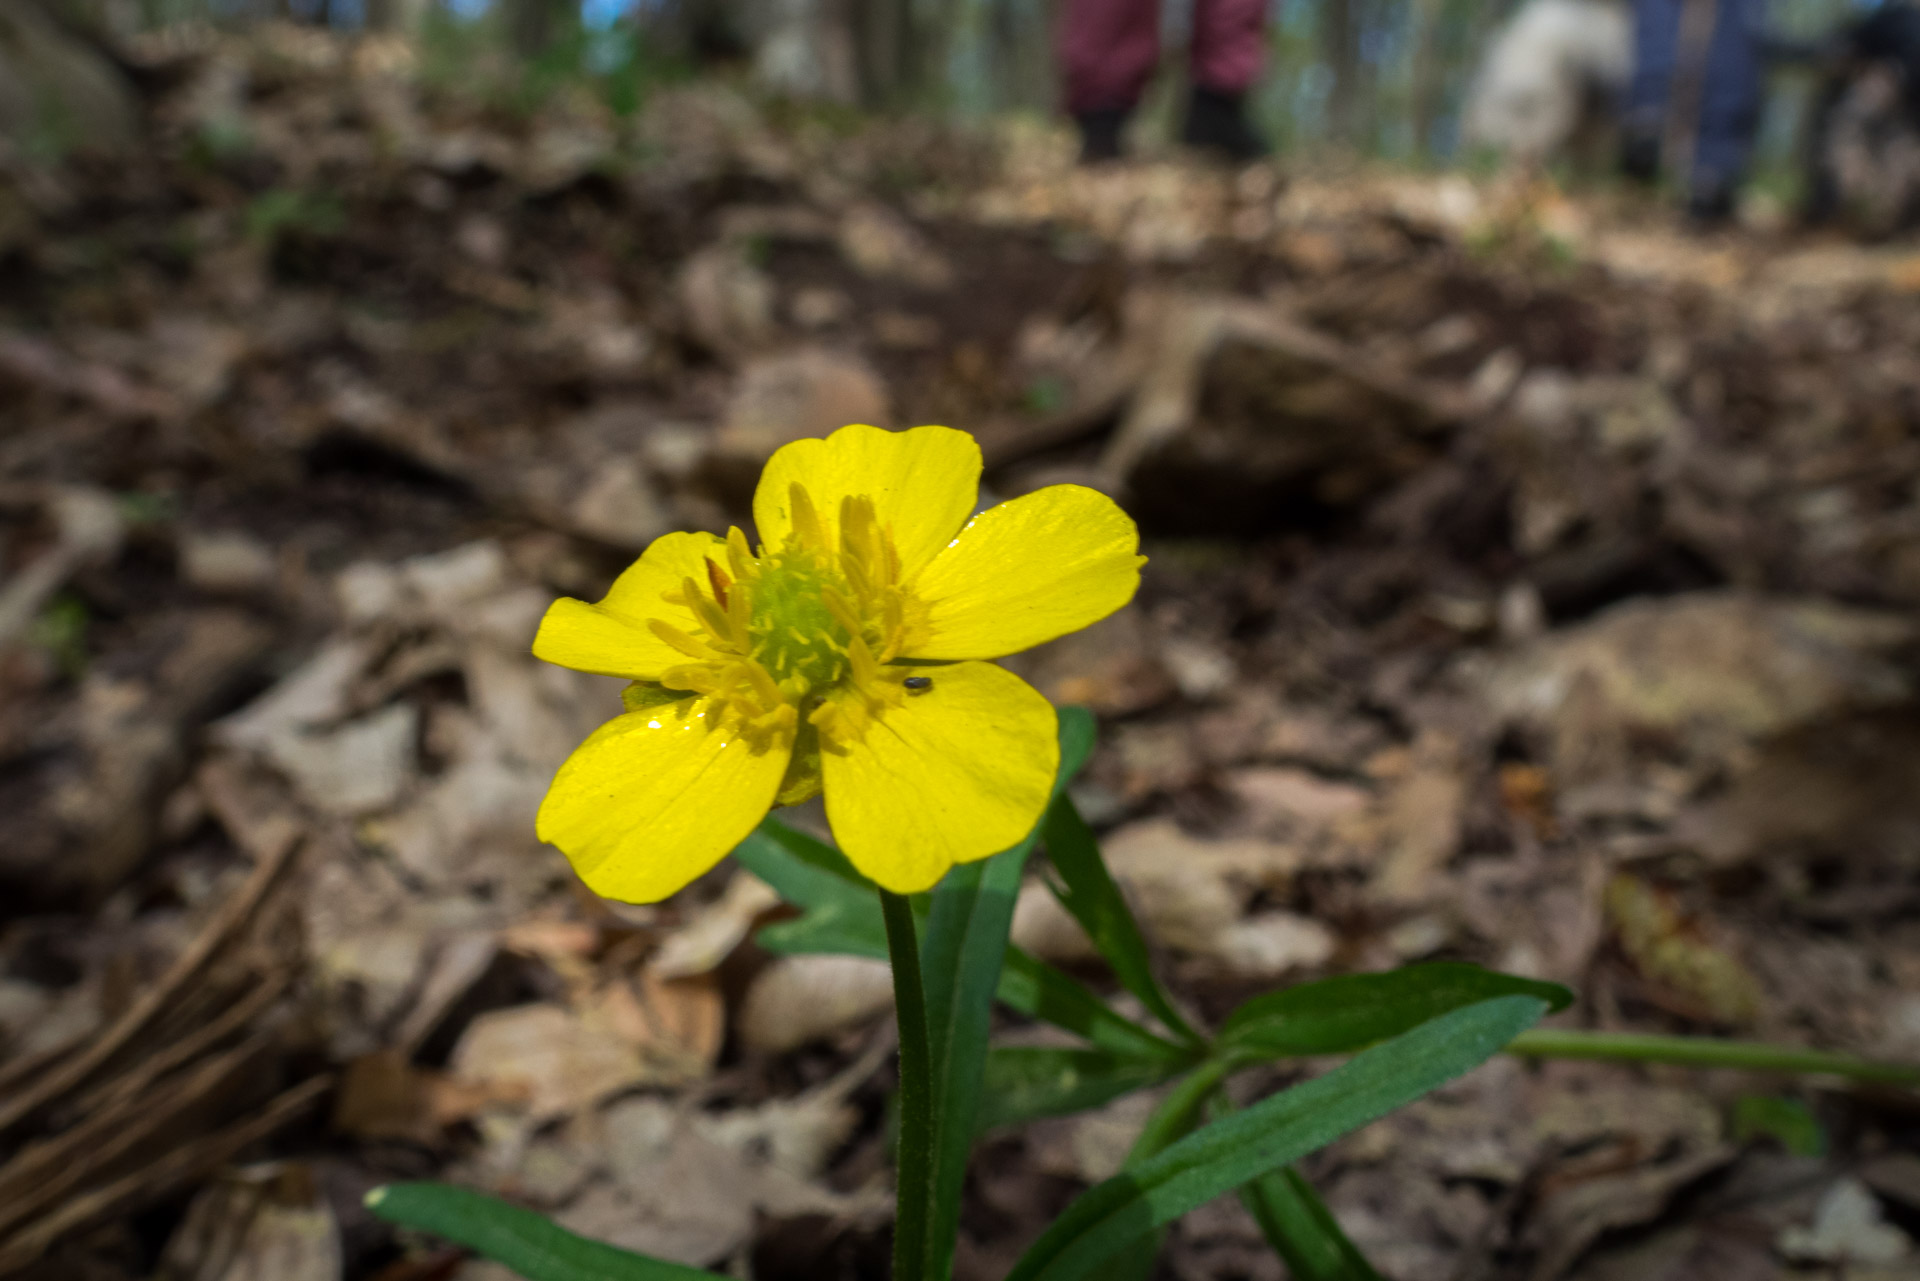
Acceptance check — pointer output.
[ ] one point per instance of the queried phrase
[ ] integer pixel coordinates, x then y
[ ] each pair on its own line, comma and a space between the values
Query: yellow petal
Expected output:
954, 774
1027, 571
612, 637
923, 483
653, 799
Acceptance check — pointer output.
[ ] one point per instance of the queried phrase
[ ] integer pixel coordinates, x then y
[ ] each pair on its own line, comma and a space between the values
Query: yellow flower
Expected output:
845, 655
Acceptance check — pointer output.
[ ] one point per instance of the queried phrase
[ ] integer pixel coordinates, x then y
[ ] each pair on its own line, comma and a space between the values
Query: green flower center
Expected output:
792, 630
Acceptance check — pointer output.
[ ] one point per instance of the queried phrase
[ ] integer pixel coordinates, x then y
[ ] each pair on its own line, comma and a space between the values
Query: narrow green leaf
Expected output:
1172, 1120
842, 918
1269, 1135
1034, 988
1077, 735
1087, 890
1352, 1011
917, 1097
520, 1239
1025, 1083
840, 913
1302, 1231
1297, 1223
966, 942
815, 854
1789, 1122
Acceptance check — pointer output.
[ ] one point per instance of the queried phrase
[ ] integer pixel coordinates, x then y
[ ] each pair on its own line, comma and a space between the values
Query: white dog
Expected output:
1554, 66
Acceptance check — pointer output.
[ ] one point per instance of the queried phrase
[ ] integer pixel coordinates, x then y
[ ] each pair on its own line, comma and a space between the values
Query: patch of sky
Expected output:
598, 15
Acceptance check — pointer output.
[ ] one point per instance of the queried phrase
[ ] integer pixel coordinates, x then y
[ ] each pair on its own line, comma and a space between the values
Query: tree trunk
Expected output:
529, 24
1427, 75
59, 90
396, 15
901, 51
1340, 39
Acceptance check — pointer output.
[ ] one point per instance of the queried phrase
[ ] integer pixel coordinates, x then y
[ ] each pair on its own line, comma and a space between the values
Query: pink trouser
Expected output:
1108, 48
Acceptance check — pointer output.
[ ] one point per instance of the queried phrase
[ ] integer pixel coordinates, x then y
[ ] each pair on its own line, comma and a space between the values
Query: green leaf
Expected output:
842, 917
1087, 890
1269, 1135
1173, 1119
966, 939
840, 914
520, 1239
1077, 736
965, 945
1024, 1083
1297, 1223
1034, 988
1352, 1011
913, 1147
1302, 1231
1786, 1121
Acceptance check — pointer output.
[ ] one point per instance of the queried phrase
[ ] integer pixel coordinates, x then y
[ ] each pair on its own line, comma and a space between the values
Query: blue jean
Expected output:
1732, 86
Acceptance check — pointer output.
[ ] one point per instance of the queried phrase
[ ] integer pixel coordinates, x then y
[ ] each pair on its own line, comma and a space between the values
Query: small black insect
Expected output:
918, 684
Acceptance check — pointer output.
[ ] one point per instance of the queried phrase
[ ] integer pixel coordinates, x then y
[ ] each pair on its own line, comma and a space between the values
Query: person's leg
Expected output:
1229, 46
1731, 94
1656, 54
1107, 51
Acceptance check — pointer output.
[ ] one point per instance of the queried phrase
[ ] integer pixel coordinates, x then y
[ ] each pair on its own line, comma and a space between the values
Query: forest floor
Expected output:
1532, 582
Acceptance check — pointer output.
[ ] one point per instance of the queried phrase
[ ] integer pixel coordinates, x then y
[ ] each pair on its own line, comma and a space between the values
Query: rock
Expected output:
879, 243
621, 506
225, 562
904, 331
819, 307
1200, 670
727, 301
1706, 666
1849, 1227
809, 392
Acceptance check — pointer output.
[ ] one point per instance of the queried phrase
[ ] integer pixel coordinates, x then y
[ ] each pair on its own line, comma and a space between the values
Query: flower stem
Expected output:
1690, 1051
914, 1159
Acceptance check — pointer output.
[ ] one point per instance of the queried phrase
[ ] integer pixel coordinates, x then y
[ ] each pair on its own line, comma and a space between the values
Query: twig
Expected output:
160, 1177
274, 846
44, 1173
187, 1048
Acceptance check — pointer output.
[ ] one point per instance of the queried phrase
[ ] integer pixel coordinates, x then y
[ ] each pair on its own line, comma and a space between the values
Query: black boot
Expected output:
1100, 134
1218, 122
1711, 202
1640, 156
